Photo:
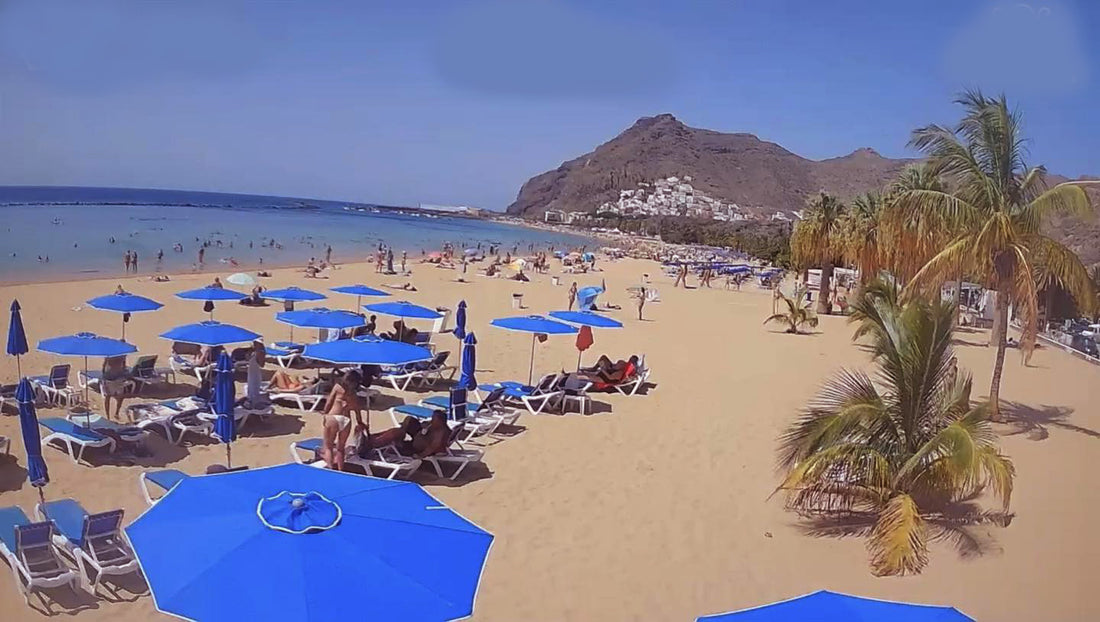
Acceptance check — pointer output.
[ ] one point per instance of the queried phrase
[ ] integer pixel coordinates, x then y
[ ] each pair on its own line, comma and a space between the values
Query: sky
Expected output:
460, 102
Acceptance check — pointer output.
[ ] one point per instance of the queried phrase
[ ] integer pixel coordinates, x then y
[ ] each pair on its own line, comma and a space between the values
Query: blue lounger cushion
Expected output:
444, 402
412, 410
310, 444
10, 518
68, 516
166, 478
68, 428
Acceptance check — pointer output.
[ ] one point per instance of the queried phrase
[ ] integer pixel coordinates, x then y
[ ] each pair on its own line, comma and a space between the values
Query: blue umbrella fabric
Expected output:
366, 351
211, 293
826, 606
293, 294
358, 290
403, 309
536, 325
469, 363
586, 318
17, 337
225, 426
124, 302
321, 318
86, 344
210, 333
460, 320
586, 296
253, 540
37, 474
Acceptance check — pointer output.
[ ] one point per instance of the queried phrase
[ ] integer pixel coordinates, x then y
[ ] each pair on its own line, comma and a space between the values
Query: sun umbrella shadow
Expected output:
1035, 422
274, 425
12, 474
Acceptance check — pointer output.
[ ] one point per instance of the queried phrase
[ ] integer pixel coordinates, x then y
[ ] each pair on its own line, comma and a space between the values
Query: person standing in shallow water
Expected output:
126, 261
133, 260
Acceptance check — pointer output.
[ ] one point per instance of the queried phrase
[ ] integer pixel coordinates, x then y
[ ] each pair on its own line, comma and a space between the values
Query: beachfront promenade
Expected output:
656, 506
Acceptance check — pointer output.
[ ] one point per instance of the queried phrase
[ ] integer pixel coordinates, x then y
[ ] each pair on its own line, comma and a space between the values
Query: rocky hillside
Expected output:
761, 177
740, 168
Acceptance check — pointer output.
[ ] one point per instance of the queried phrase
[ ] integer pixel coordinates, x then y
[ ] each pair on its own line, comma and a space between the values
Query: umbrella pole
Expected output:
228, 456
579, 352
86, 385
124, 327
531, 368
41, 498
18, 366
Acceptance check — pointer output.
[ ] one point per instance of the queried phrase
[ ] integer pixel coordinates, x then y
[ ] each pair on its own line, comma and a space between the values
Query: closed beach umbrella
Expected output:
294, 294
584, 341
241, 278
358, 290
469, 363
17, 337
253, 541
37, 473
536, 325
210, 294
826, 606
85, 345
124, 303
210, 333
225, 426
366, 351
460, 320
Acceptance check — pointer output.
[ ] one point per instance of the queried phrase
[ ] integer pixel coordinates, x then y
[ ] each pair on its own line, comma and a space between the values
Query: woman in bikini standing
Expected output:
342, 401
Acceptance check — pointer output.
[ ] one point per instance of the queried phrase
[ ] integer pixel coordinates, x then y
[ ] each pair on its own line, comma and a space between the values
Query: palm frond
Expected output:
898, 543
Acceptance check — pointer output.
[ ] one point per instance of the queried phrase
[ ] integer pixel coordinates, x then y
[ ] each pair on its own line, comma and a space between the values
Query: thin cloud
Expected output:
1020, 48
548, 49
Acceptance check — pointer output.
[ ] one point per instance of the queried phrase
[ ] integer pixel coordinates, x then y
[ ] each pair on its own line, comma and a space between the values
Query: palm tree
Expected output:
901, 452
797, 313
1002, 203
818, 239
863, 235
912, 236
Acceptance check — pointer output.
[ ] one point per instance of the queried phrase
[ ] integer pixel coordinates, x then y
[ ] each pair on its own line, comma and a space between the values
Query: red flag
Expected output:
584, 338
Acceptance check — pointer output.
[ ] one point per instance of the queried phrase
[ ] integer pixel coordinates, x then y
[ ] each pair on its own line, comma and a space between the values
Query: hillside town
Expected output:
670, 196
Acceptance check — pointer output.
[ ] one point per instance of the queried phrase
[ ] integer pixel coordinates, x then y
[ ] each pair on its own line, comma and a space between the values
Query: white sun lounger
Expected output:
73, 437
94, 541
29, 549
454, 454
164, 479
534, 398
386, 458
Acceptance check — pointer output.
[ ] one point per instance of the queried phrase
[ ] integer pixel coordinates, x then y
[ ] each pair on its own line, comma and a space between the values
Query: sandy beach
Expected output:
656, 506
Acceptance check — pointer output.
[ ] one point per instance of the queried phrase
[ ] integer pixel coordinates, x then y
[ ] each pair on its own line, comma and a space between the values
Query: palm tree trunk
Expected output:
824, 287
1000, 334
1049, 307
958, 293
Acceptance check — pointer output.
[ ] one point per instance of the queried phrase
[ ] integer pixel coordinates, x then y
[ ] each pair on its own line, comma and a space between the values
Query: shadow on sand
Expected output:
1035, 422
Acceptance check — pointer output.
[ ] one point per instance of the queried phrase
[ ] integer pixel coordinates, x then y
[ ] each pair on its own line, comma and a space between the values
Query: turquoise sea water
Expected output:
45, 222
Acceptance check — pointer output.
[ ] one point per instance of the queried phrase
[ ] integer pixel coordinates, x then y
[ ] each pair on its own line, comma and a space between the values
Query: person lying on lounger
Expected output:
290, 384
413, 438
607, 372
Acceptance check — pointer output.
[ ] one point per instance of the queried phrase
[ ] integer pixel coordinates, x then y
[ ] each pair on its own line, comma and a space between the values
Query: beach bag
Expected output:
208, 306
362, 446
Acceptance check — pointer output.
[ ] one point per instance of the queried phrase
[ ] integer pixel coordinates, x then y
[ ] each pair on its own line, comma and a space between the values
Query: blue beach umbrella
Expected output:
124, 303
826, 606
460, 320
225, 426
210, 294
404, 309
250, 534
358, 290
586, 296
586, 318
366, 351
85, 345
536, 325
320, 317
37, 473
17, 337
293, 294
469, 363
210, 333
